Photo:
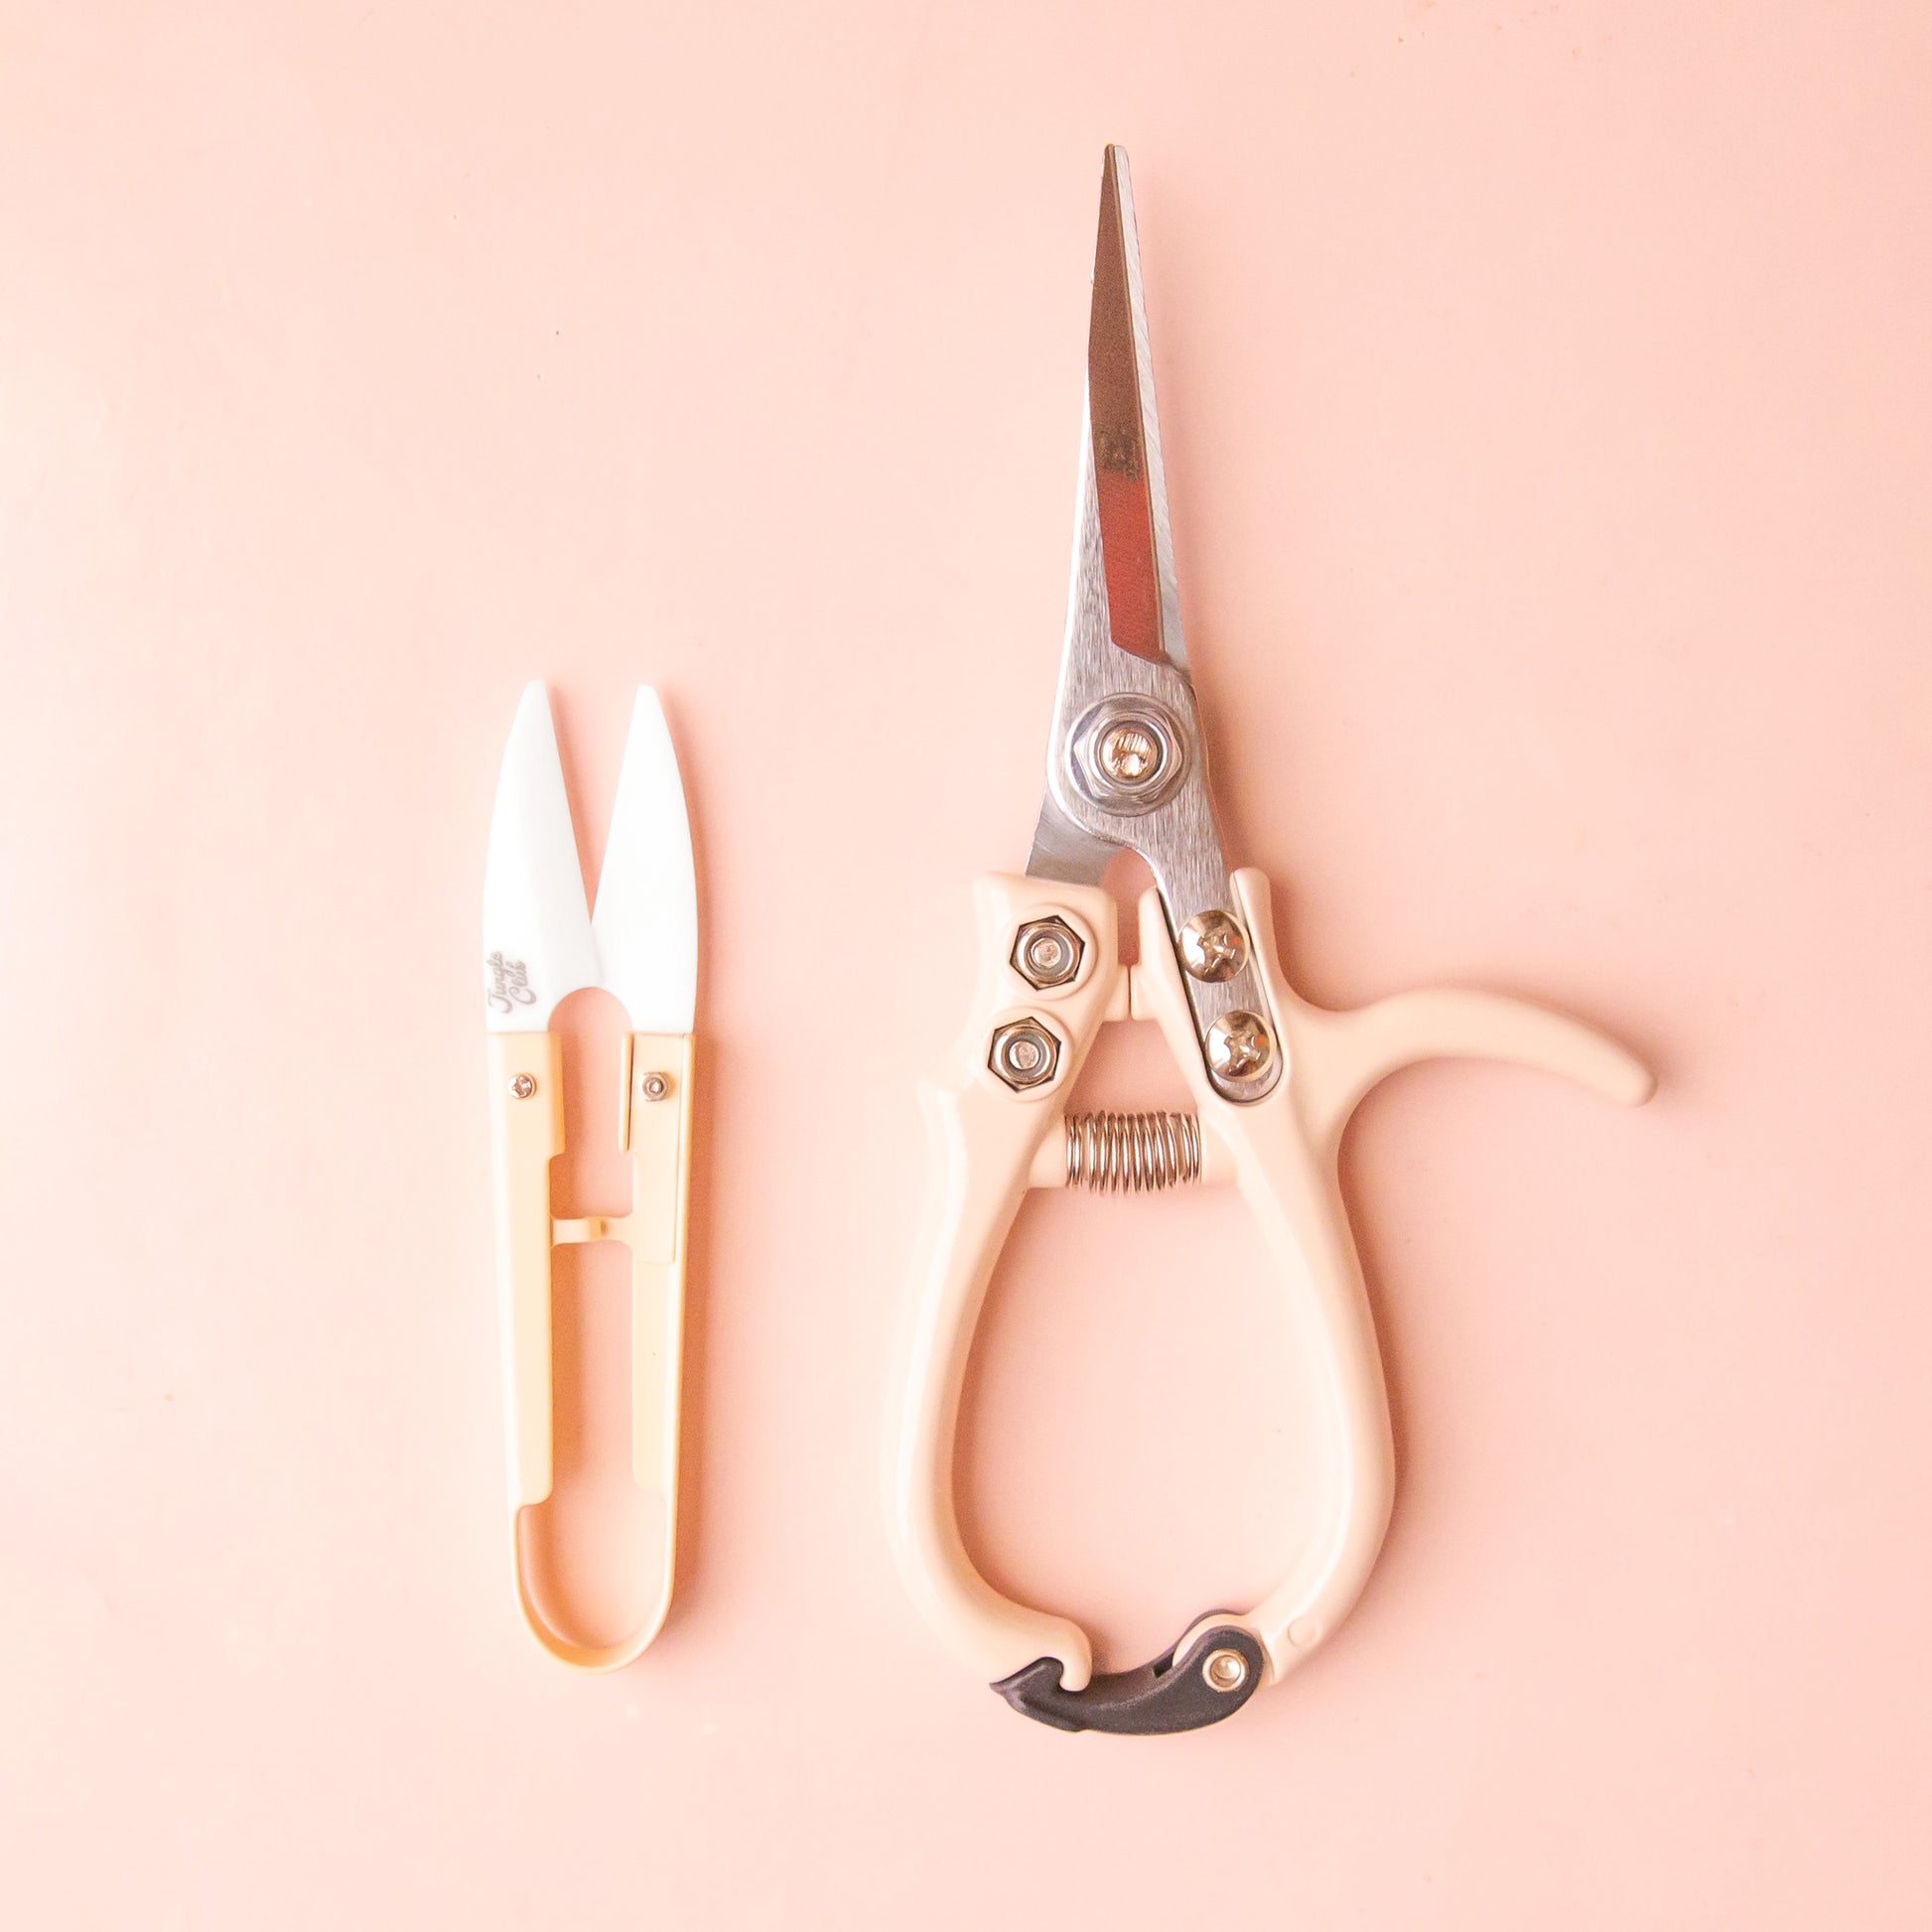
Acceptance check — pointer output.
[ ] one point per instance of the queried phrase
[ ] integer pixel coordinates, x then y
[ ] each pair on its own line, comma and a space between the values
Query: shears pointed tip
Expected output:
648, 713
532, 704
532, 743
1116, 206
647, 750
1144, 608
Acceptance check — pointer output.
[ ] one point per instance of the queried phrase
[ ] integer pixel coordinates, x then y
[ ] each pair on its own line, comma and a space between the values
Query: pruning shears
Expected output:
1273, 1081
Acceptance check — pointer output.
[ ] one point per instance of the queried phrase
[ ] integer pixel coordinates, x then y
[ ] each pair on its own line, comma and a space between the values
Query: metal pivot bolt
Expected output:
1025, 1054
523, 1086
1047, 952
1238, 1044
654, 1087
1225, 1670
1129, 754
1213, 946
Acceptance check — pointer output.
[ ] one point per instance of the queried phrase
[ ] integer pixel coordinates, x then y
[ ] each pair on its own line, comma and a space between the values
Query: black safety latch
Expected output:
1220, 1671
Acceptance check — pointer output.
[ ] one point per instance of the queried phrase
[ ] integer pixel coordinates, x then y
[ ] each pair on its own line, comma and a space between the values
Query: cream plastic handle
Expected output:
982, 1138
655, 1125
1282, 1152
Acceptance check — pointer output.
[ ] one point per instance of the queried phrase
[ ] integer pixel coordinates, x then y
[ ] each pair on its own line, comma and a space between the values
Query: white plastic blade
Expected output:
537, 945
647, 921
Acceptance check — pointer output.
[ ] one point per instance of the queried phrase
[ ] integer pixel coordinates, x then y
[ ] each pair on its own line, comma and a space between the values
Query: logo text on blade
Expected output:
510, 982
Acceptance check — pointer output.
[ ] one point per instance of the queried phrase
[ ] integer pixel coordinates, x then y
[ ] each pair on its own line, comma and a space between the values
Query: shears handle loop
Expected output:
986, 1139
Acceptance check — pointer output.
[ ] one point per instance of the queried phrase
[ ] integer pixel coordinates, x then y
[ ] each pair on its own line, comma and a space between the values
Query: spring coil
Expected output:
1132, 1152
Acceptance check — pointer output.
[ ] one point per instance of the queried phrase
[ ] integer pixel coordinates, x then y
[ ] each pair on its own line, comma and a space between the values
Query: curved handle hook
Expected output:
1336, 1057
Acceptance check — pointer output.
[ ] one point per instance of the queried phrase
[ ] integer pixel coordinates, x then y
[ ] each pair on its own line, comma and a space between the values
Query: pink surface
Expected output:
1548, 413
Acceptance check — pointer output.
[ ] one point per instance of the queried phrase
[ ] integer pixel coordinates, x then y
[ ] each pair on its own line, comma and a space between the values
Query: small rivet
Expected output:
523, 1086
1225, 1670
654, 1087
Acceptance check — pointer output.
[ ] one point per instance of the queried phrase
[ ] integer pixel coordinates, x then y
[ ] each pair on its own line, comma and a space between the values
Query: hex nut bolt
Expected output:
1212, 947
1128, 753
1048, 953
1239, 1045
1025, 1054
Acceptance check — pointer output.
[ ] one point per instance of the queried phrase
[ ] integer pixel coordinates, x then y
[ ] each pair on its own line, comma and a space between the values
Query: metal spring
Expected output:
1132, 1152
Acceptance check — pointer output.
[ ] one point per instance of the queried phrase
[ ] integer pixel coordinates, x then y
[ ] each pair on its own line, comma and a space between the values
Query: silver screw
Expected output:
1213, 946
523, 1086
1130, 753
1238, 1044
1225, 1670
654, 1087
1047, 952
1025, 1054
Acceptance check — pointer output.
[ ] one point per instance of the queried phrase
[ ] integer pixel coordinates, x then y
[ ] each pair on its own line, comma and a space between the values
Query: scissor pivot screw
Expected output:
1213, 946
654, 1087
1047, 952
1128, 754
523, 1086
1225, 1670
1238, 1044
1025, 1054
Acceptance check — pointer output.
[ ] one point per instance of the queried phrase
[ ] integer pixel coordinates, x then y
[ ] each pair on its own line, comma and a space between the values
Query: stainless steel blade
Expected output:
1126, 763
1131, 484
537, 945
1062, 850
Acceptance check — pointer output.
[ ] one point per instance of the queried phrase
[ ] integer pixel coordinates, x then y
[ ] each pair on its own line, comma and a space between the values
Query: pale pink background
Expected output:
1548, 413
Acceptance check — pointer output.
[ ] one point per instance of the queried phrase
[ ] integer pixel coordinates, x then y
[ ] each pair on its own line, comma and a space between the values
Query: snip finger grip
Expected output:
654, 1127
